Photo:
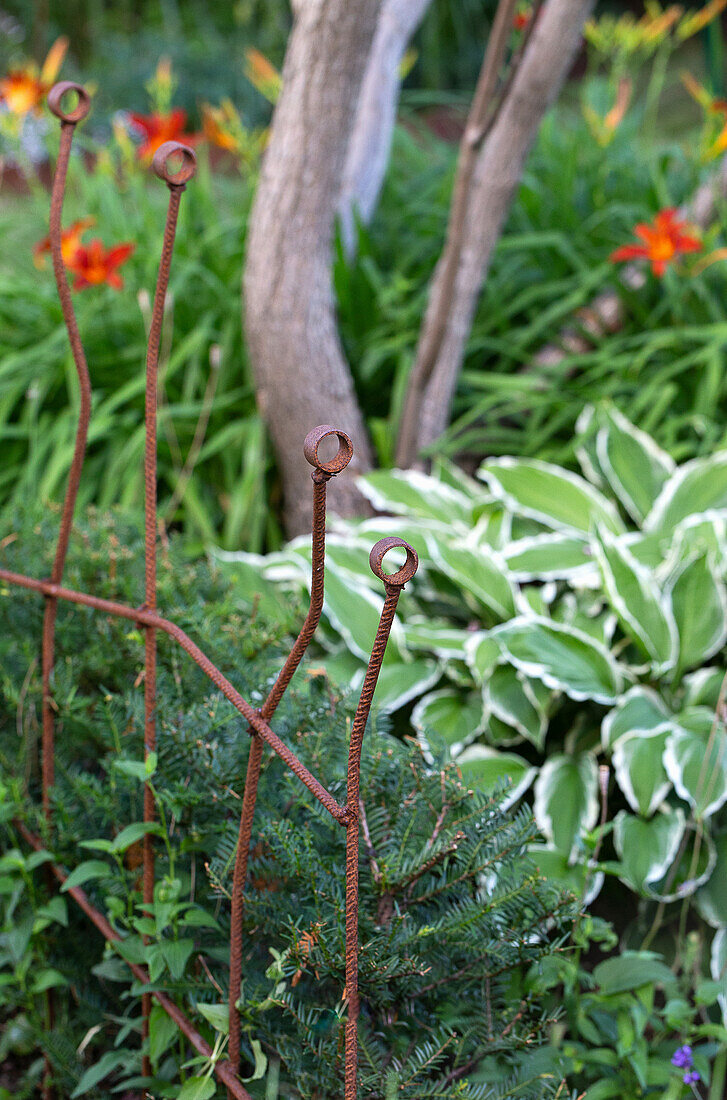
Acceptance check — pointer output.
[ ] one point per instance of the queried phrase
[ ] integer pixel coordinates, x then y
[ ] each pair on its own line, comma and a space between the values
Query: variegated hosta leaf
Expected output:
560, 656
487, 768
481, 572
501, 734
632, 463
705, 532
566, 799
644, 612
711, 899
640, 773
482, 654
550, 556
411, 493
718, 967
647, 849
553, 496
691, 870
598, 624
449, 716
368, 531
577, 878
401, 681
699, 601
697, 486
639, 709
695, 759
518, 702
438, 638
354, 610
703, 687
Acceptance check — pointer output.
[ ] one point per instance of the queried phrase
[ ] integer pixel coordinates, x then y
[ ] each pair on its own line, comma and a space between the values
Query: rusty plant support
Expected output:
148, 617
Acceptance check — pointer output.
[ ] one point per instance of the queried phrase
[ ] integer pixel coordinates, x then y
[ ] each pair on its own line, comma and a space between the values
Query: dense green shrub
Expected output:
564, 623
453, 915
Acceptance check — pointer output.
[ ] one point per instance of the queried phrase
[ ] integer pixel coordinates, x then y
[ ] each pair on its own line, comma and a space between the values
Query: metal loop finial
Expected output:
408, 569
55, 101
186, 170
343, 455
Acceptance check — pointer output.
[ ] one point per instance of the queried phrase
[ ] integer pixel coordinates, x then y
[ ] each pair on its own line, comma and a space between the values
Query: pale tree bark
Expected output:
373, 128
492, 156
301, 375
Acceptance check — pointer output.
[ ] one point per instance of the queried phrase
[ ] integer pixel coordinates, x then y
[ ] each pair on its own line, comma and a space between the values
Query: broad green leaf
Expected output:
411, 493
89, 869
487, 769
132, 833
399, 682
354, 610
560, 656
632, 463
711, 899
451, 716
644, 613
197, 1088
47, 978
438, 638
699, 600
106, 1064
639, 709
640, 773
261, 1061
482, 573
176, 953
512, 698
216, 1014
482, 653
577, 878
697, 486
696, 763
550, 556
566, 799
162, 1032
632, 969
549, 494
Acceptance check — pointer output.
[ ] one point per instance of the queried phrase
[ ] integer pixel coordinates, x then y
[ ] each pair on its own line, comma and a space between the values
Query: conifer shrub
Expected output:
455, 923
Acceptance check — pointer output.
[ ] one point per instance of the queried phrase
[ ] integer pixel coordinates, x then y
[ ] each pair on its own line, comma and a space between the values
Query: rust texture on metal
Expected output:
175, 165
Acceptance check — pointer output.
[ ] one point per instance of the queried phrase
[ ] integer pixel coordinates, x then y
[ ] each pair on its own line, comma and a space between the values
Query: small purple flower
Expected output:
682, 1057
691, 1078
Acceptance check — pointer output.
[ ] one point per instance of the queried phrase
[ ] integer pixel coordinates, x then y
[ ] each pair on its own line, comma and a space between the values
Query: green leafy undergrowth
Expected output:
453, 913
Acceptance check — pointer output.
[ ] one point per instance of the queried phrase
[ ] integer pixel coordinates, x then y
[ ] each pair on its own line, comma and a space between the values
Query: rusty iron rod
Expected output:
322, 473
393, 585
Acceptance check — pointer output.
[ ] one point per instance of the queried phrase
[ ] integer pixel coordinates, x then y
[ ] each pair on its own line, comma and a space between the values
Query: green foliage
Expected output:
564, 622
452, 911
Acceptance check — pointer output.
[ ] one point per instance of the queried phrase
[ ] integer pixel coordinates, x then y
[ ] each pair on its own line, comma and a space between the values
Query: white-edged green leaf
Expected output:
479, 571
578, 878
482, 653
566, 799
703, 687
550, 556
451, 716
699, 601
438, 638
640, 773
641, 708
696, 763
562, 657
411, 493
354, 610
711, 898
718, 967
486, 769
549, 494
635, 467
647, 849
696, 486
691, 870
704, 532
644, 612
399, 682
515, 700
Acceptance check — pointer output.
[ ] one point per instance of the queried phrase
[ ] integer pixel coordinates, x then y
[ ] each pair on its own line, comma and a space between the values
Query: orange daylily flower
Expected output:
263, 75
23, 90
603, 129
711, 105
94, 264
662, 242
158, 128
70, 242
218, 124
698, 20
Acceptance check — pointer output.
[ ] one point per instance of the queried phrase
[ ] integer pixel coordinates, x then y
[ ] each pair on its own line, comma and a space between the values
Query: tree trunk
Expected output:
300, 371
477, 218
368, 151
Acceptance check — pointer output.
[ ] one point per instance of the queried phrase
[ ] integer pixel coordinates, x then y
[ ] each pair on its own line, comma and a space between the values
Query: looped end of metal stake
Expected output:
342, 457
174, 177
55, 101
408, 569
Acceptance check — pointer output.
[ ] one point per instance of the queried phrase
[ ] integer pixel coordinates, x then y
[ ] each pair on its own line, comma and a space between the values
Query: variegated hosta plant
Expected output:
560, 622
